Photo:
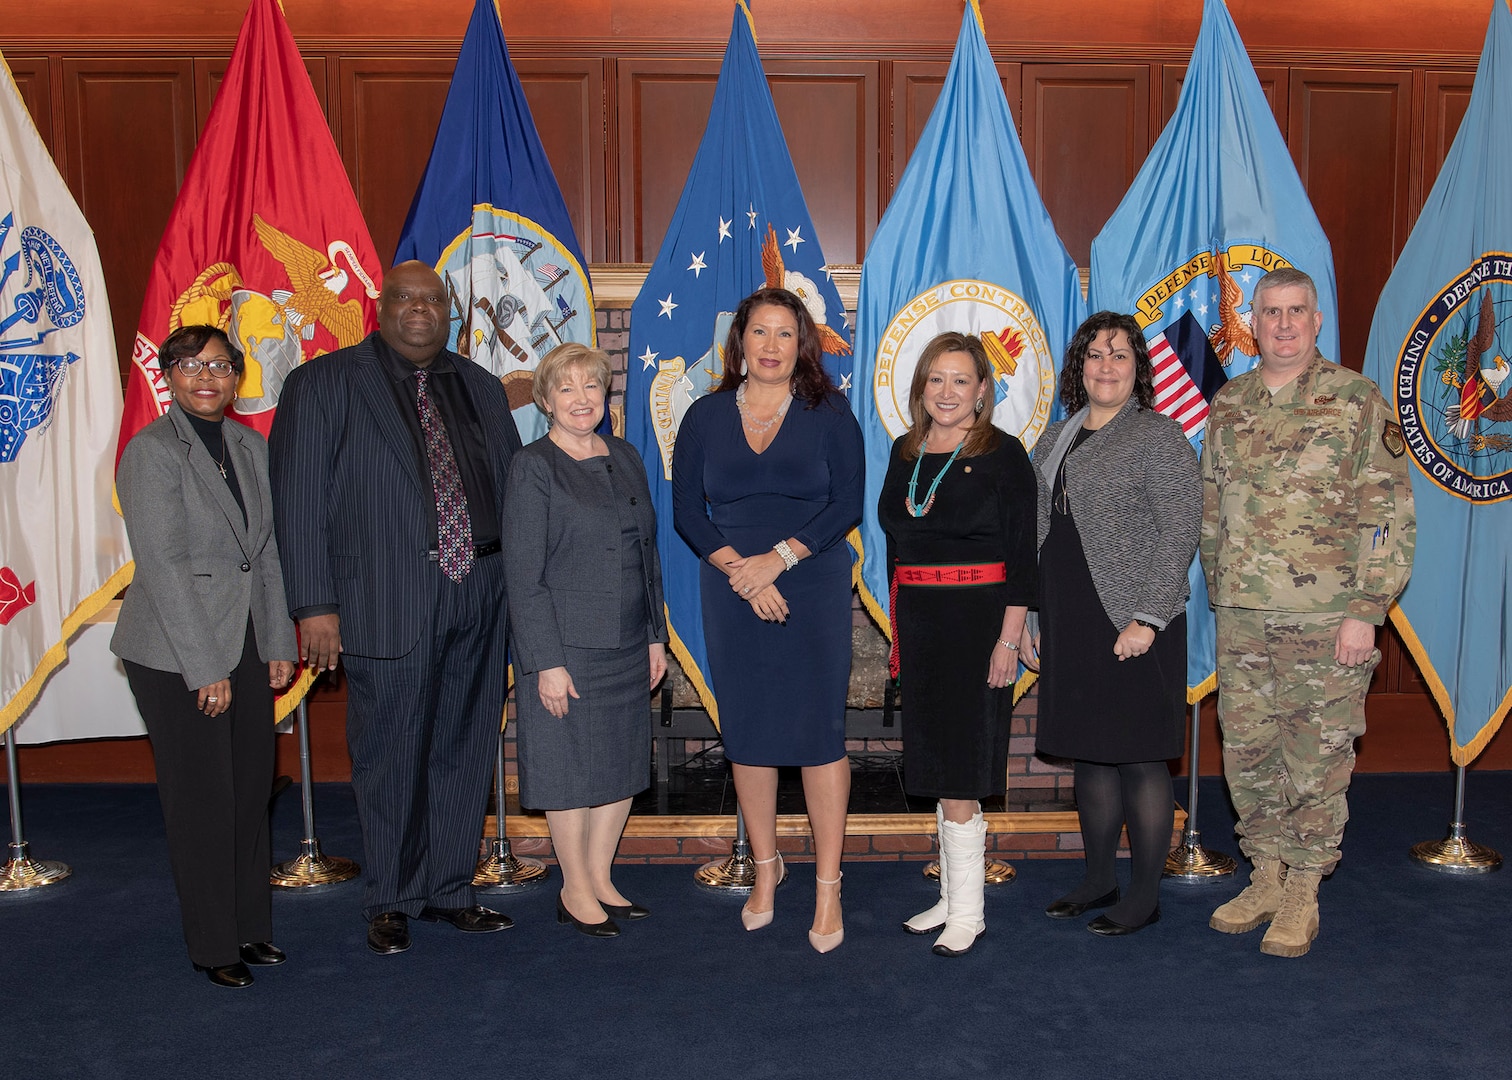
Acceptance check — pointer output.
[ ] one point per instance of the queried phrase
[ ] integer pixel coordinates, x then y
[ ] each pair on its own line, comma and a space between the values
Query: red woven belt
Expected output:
956, 575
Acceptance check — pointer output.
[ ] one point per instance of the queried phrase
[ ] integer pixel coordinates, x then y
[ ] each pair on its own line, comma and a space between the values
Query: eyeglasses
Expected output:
192, 366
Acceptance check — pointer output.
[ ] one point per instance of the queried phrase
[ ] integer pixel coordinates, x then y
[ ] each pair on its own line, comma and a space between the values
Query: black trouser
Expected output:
214, 777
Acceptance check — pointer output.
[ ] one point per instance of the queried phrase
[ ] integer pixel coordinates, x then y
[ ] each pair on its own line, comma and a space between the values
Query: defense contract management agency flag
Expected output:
967, 245
63, 551
1216, 205
1440, 347
489, 216
265, 240
740, 225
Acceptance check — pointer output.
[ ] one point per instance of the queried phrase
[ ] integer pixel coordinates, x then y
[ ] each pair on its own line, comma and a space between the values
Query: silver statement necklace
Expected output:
760, 427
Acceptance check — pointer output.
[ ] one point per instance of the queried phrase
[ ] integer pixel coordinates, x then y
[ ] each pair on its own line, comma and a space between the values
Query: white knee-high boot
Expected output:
932, 919
963, 848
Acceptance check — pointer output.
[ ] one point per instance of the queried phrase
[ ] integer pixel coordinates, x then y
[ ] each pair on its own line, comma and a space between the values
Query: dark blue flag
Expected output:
489, 216
740, 225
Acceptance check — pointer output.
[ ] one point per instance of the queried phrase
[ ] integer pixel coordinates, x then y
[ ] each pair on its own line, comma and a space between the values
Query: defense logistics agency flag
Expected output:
265, 240
742, 221
489, 216
1440, 346
1217, 204
63, 551
966, 245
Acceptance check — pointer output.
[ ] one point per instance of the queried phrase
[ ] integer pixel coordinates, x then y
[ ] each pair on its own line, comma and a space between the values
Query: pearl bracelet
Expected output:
781, 548
1008, 645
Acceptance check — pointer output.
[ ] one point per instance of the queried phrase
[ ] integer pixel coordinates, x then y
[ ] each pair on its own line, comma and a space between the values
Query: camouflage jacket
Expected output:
1306, 500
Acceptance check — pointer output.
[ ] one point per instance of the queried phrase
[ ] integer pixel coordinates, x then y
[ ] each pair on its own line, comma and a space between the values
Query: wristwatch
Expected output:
1148, 626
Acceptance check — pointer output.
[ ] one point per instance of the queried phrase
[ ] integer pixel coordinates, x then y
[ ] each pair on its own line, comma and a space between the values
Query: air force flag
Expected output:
740, 225
1439, 348
1217, 204
967, 245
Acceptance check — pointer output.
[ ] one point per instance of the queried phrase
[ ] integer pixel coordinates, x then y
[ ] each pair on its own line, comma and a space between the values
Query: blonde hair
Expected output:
593, 362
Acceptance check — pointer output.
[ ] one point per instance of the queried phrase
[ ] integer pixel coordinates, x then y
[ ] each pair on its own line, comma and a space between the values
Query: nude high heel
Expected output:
755, 920
824, 943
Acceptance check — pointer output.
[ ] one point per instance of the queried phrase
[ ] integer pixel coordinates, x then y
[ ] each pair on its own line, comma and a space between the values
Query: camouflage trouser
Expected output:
1289, 715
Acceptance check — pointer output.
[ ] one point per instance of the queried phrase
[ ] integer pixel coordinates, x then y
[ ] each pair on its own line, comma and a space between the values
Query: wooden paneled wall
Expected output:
1367, 99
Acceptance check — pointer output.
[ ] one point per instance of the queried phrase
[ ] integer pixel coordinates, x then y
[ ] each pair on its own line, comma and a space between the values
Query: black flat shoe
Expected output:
625, 911
261, 953
1108, 928
470, 920
1067, 909
232, 975
607, 928
388, 933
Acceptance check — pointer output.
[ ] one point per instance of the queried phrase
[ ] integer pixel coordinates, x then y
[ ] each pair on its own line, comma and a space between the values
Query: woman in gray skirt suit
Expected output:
587, 629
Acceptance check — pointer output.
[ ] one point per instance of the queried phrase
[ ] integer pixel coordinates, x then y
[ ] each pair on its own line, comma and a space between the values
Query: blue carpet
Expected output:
1408, 979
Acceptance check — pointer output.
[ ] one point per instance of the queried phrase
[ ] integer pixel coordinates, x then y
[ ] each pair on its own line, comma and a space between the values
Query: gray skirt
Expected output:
600, 752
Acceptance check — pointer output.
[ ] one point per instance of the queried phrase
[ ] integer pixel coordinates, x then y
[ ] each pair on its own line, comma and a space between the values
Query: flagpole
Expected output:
501, 871
1455, 854
311, 869
735, 874
1191, 861
21, 872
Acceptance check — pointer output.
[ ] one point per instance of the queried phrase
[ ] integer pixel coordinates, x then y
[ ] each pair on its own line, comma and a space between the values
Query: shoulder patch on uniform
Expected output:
1391, 439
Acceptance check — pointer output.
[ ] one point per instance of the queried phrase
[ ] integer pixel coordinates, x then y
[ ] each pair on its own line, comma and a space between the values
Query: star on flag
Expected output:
794, 239
648, 358
724, 229
698, 264
666, 307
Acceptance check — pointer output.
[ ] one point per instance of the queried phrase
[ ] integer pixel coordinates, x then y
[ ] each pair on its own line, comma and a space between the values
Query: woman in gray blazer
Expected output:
1120, 507
206, 640
588, 631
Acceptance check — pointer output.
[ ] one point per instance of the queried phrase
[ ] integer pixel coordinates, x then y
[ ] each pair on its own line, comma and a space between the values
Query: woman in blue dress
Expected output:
766, 483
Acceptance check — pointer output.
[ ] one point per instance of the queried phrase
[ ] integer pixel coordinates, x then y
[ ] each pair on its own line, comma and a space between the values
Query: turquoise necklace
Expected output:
914, 509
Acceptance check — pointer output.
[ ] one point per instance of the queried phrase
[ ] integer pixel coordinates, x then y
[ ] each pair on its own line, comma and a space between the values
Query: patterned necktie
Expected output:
453, 527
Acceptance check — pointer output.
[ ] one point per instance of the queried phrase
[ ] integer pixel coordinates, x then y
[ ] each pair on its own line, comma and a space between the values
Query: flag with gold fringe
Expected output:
1440, 348
63, 550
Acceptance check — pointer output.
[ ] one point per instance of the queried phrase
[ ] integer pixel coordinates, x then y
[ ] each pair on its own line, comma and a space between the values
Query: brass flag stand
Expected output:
501, 871
1191, 861
311, 869
1456, 854
735, 874
21, 872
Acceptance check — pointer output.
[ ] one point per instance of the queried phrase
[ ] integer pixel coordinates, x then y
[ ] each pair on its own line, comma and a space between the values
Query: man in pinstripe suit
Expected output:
388, 464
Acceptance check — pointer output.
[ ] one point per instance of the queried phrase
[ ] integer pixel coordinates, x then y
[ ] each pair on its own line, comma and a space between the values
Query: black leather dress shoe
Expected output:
232, 975
1108, 928
470, 920
625, 911
607, 928
388, 933
1066, 909
261, 953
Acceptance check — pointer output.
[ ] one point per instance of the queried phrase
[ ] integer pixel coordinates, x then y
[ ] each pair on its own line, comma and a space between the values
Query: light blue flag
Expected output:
489, 216
966, 245
1217, 204
1439, 348
740, 225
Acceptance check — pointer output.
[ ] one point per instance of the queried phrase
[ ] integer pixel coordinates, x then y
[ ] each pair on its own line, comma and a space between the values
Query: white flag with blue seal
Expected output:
1216, 205
1441, 350
63, 551
966, 245
740, 225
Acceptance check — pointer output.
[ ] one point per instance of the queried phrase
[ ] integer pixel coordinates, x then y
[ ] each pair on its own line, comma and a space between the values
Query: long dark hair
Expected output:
982, 437
811, 383
1073, 391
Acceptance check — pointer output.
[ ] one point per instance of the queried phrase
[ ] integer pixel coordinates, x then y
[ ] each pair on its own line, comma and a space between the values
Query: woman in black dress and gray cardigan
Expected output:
1120, 507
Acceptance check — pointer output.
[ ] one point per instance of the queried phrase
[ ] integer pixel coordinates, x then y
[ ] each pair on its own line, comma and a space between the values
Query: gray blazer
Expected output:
199, 570
562, 553
1136, 497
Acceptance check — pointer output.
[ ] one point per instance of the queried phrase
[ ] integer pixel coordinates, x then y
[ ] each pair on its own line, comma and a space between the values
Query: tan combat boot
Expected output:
1257, 904
1292, 931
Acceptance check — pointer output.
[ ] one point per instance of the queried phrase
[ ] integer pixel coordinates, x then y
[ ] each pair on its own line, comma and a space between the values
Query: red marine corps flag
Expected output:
265, 239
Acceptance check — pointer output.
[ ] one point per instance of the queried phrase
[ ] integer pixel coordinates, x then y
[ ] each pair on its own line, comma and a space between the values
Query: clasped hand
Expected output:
752, 577
1134, 641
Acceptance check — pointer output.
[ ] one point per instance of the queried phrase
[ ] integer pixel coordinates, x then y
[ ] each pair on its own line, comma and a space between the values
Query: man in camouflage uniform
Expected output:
1307, 535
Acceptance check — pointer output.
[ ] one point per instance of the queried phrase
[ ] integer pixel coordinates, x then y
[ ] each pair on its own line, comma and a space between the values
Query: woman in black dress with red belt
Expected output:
1120, 504
958, 507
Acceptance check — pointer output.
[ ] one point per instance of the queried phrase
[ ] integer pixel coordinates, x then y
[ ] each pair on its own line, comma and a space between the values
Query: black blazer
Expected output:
562, 553
349, 503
